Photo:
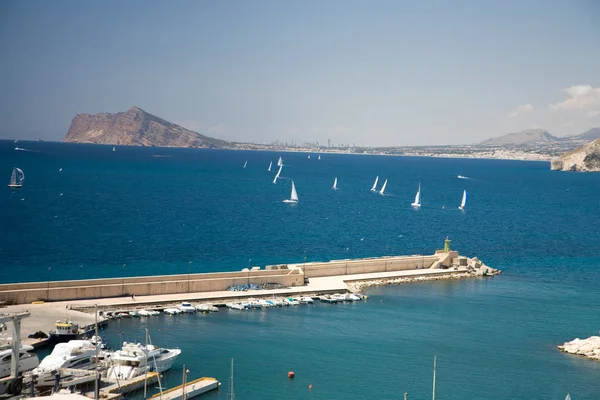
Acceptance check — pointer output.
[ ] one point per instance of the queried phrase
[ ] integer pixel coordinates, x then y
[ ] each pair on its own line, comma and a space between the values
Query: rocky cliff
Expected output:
586, 158
135, 127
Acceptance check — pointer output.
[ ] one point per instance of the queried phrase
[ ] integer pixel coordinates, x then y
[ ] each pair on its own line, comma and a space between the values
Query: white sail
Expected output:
383, 187
309, 156
374, 188
417, 202
318, 158
270, 165
568, 397
294, 196
114, 148
245, 164
334, 183
16, 178
463, 202
280, 162
277, 175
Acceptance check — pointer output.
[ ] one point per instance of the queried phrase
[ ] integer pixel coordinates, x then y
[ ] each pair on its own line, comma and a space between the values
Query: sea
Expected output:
86, 211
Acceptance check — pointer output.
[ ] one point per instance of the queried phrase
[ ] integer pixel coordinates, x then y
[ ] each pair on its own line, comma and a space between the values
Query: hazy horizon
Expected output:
383, 73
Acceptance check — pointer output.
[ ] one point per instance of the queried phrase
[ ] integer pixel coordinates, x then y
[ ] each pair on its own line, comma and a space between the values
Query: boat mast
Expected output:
231, 390
434, 362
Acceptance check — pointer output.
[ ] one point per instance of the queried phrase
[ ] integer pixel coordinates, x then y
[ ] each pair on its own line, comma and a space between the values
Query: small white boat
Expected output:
306, 300
270, 165
278, 173
135, 313
206, 308
280, 162
114, 149
265, 304
294, 195
187, 308
463, 202
235, 306
417, 202
16, 178
172, 311
334, 187
354, 297
319, 157
381, 192
143, 313
276, 302
339, 297
374, 188
292, 302
309, 156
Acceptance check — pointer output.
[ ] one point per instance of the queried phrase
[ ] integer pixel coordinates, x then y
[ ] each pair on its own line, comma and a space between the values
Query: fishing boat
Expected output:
334, 183
16, 179
463, 202
27, 360
270, 165
381, 192
68, 330
278, 173
294, 195
245, 164
374, 188
280, 162
417, 202
135, 359
187, 308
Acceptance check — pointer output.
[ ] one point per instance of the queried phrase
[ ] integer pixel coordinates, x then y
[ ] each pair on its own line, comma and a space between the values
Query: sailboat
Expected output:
280, 162
114, 148
277, 175
463, 202
270, 165
417, 203
374, 188
294, 196
383, 188
334, 183
319, 157
245, 164
16, 179
568, 397
309, 156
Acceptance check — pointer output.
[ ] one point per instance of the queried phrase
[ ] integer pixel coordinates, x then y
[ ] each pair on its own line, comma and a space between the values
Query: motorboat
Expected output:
206, 308
187, 308
74, 354
236, 306
292, 302
135, 359
328, 299
306, 300
27, 360
68, 330
172, 311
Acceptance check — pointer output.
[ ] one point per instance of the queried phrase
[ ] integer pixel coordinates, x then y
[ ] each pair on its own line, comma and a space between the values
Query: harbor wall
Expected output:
288, 275
142, 286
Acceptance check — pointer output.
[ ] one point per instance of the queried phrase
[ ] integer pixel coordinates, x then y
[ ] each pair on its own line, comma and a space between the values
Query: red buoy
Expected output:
291, 374
310, 387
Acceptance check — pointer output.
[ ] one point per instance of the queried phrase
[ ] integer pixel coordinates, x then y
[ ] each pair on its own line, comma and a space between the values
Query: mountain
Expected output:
592, 134
586, 158
527, 137
136, 127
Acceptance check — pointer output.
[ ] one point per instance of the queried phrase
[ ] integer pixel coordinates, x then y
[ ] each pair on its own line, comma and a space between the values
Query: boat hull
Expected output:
15, 186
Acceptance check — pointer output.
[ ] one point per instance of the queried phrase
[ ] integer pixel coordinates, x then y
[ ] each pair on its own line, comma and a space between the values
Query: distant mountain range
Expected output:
136, 127
538, 137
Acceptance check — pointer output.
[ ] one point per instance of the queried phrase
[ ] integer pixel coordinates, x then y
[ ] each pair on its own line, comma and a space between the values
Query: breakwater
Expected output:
288, 275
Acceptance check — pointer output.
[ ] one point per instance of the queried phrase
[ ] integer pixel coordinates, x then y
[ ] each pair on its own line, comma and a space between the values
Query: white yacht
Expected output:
75, 354
134, 359
187, 308
27, 361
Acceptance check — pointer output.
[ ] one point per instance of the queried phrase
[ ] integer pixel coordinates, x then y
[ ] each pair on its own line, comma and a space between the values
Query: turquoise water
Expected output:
494, 338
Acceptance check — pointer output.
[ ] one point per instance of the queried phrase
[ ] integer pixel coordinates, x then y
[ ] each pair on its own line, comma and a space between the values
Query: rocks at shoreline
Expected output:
589, 348
583, 159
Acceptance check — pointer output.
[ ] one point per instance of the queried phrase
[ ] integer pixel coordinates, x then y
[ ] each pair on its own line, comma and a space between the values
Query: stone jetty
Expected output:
589, 348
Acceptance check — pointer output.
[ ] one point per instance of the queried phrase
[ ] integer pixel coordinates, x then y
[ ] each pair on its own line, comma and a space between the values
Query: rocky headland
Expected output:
136, 127
589, 348
583, 159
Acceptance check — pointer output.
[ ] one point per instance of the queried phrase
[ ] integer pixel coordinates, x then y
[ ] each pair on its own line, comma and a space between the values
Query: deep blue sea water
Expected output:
494, 338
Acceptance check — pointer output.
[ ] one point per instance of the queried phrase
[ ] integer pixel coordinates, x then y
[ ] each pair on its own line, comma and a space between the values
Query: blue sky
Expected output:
365, 72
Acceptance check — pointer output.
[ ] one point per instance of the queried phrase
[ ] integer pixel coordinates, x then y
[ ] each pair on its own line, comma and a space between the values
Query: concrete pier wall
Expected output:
286, 275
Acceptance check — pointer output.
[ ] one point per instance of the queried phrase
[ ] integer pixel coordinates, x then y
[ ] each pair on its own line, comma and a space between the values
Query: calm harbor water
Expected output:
130, 212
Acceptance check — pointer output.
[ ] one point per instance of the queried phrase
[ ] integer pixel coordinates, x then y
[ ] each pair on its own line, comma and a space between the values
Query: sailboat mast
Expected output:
434, 362
231, 390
